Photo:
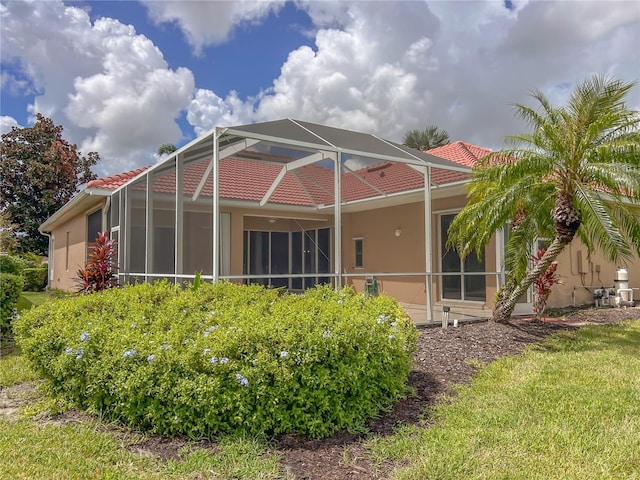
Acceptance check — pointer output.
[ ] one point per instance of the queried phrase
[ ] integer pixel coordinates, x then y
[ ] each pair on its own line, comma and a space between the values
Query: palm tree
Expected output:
166, 149
430, 137
577, 173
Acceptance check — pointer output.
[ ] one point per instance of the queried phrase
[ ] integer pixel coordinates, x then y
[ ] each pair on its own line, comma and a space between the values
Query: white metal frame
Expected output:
323, 149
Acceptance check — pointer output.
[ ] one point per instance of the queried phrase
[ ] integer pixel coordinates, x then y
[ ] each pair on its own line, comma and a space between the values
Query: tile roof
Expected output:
460, 152
311, 185
115, 181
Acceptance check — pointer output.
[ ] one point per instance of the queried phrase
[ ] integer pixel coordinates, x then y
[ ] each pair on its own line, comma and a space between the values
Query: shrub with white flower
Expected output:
240, 358
130, 353
241, 380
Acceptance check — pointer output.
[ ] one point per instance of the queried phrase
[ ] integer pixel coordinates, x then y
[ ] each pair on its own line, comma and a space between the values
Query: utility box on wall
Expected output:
582, 262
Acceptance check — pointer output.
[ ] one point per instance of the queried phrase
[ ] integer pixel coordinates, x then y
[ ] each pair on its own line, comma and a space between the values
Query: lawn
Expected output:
569, 409
31, 299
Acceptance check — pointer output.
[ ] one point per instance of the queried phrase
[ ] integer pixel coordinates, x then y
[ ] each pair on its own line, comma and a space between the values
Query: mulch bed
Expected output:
442, 360
444, 357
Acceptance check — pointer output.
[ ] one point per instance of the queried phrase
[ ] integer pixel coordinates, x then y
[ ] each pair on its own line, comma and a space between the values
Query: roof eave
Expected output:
78, 203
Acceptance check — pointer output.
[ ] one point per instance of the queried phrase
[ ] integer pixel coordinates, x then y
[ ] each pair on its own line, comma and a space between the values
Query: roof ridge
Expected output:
118, 177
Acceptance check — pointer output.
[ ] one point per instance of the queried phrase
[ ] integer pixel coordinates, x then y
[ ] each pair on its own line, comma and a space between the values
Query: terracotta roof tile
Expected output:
460, 152
311, 185
115, 181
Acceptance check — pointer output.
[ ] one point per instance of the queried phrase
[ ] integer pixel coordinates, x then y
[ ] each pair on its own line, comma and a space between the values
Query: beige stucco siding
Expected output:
70, 250
579, 275
384, 252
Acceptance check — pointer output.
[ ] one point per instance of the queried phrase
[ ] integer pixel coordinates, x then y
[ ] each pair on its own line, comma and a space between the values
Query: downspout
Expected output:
50, 258
105, 213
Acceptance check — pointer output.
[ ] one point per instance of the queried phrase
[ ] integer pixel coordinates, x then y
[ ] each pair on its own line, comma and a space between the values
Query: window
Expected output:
66, 261
94, 225
358, 249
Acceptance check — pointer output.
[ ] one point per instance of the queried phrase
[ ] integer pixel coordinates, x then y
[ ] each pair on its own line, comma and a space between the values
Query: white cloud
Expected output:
363, 75
209, 23
108, 86
383, 67
387, 67
6, 123
208, 110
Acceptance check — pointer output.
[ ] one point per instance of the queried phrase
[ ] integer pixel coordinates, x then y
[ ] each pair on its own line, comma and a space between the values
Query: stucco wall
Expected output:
384, 252
579, 275
70, 251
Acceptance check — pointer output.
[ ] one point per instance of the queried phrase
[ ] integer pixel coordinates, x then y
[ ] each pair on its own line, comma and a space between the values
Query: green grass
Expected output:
85, 450
14, 366
570, 410
27, 300
14, 369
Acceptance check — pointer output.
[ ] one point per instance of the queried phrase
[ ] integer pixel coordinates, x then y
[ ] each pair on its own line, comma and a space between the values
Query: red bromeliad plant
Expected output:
542, 285
99, 272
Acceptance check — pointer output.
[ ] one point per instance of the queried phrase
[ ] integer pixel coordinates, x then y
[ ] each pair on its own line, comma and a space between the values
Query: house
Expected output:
274, 219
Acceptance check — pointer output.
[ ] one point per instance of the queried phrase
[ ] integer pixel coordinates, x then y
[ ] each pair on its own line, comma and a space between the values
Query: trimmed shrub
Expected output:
10, 288
11, 264
31, 260
223, 357
35, 279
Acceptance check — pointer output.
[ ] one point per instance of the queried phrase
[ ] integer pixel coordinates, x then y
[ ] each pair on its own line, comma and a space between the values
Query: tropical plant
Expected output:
542, 285
577, 173
166, 149
99, 272
430, 137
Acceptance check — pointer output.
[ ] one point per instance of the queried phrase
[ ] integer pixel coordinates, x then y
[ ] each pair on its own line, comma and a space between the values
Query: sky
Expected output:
124, 77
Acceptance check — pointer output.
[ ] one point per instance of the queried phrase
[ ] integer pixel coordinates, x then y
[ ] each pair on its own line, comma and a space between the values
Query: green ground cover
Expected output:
80, 451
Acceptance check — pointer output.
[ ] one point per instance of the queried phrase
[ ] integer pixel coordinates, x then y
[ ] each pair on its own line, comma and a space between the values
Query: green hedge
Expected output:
223, 358
11, 264
35, 279
10, 288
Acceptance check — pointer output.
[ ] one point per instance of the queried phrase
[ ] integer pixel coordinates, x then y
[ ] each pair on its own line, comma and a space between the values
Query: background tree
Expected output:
577, 173
166, 149
8, 240
39, 172
430, 137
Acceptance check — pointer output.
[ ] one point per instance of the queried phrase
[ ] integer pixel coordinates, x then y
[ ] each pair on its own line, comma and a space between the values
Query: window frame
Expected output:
358, 241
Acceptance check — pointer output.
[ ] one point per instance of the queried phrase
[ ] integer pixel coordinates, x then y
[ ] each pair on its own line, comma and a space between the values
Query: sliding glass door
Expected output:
456, 285
278, 256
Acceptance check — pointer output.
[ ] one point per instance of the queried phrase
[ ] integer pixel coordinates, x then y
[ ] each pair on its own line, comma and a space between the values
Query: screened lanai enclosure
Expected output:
282, 203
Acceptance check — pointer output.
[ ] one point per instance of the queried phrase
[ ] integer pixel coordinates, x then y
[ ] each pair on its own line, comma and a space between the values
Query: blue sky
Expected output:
125, 77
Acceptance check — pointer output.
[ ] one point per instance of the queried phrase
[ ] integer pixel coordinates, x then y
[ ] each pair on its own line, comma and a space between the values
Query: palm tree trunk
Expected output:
505, 305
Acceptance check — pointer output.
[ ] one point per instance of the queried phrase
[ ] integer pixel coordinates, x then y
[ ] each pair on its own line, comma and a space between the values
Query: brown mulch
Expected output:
443, 359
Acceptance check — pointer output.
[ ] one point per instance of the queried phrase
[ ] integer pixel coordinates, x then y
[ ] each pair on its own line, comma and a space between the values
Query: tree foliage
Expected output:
8, 240
430, 137
576, 173
166, 149
40, 172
